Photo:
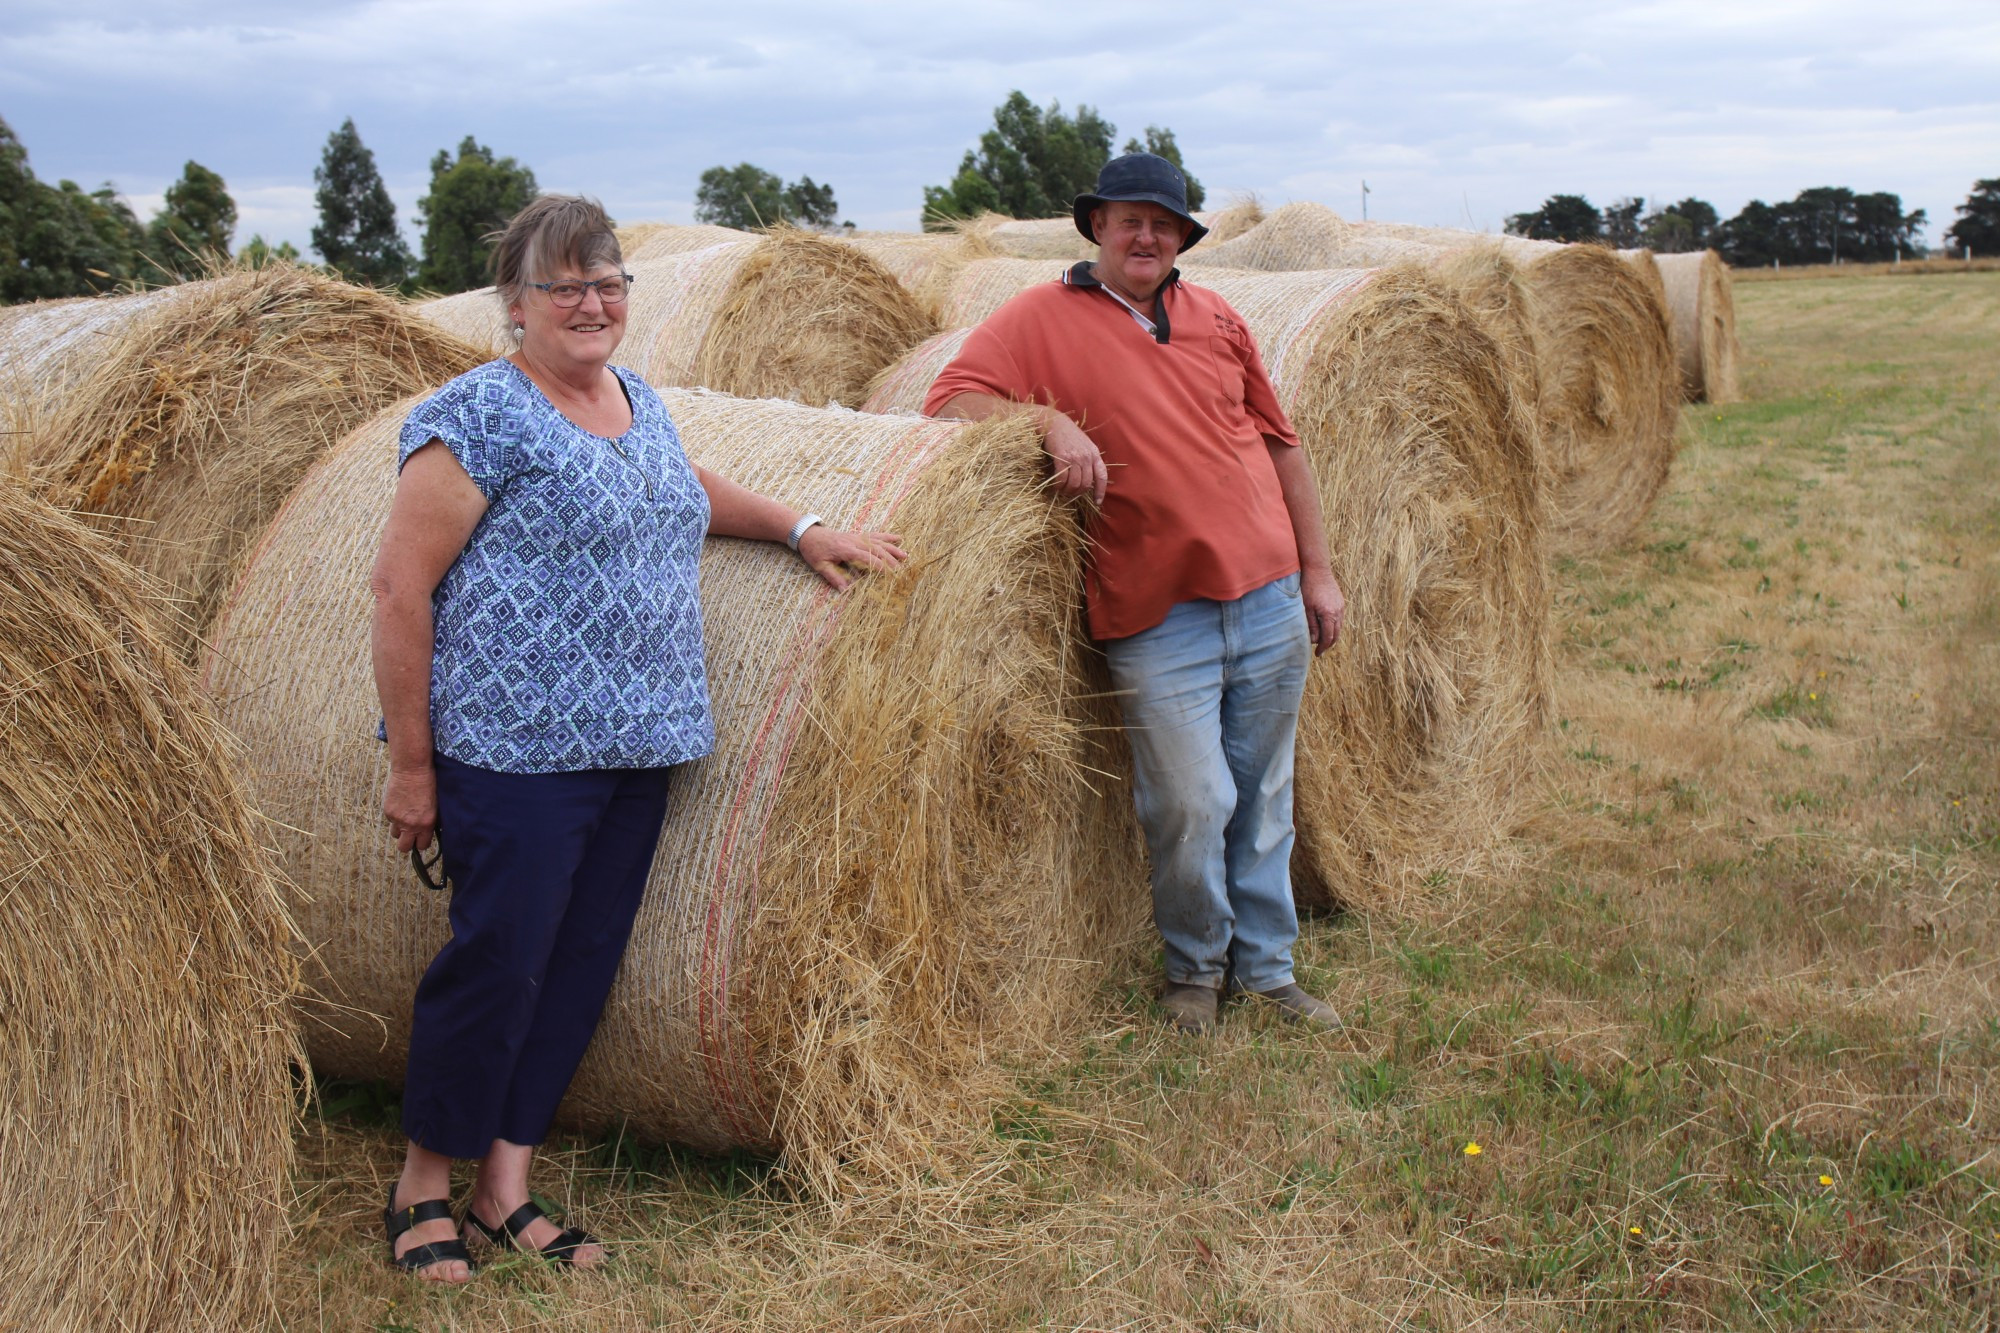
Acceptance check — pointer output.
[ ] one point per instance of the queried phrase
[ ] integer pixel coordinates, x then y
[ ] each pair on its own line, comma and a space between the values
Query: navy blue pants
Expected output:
547, 871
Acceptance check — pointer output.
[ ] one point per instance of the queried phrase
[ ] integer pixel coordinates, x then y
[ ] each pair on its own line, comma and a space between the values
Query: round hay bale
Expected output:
897, 867
1231, 221
657, 240
924, 262
982, 286
46, 347
900, 388
1292, 236
1416, 730
1701, 303
146, 1045
1037, 238
203, 403
786, 315
1609, 382
1610, 404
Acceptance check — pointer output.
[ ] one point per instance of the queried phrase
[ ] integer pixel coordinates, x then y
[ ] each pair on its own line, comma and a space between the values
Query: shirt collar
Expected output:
1083, 274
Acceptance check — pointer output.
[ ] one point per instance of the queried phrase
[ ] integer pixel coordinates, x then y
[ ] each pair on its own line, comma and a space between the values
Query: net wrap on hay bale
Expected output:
146, 1044
1416, 730
900, 863
787, 315
200, 406
46, 347
924, 262
656, 240
1034, 238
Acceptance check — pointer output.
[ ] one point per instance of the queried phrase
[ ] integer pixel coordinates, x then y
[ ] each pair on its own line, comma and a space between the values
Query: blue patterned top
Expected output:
569, 629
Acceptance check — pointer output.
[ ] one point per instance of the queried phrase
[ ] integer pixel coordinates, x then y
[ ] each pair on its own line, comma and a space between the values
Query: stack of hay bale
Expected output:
784, 315
1607, 387
1414, 735
178, 420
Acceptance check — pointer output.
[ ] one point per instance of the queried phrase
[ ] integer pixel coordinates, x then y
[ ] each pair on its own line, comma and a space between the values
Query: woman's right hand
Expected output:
410, 804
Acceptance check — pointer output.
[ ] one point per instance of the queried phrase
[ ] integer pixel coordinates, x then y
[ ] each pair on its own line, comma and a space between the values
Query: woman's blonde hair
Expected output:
555, 231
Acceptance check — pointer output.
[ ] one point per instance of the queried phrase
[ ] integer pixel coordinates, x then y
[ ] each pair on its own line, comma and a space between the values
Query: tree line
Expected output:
1030, 164
1823, 225
58, 240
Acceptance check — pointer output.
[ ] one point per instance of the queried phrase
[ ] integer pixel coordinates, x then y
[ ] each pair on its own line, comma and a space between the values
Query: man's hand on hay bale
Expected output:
1077, 465
831, 552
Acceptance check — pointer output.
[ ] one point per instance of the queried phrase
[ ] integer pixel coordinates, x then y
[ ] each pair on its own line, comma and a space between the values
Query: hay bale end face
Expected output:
1609, 382
196, 408
1702, 304
898, 865
146, 1045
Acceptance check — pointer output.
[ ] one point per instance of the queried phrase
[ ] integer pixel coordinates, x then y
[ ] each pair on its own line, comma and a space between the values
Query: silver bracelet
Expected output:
799, 529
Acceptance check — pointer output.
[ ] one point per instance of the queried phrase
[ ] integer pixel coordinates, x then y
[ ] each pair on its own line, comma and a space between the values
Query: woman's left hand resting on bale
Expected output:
737, 511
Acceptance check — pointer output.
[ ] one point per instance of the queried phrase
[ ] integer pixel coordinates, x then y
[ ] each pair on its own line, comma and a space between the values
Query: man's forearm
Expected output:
1295, 482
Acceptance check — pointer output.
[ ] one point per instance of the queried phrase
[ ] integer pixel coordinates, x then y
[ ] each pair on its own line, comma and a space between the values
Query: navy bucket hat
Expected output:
1139, 178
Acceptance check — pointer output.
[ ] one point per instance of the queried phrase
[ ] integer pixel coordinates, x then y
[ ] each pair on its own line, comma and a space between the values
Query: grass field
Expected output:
1716, 1049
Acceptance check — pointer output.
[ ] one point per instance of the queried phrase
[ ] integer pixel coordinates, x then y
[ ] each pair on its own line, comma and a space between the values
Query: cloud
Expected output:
1449, 110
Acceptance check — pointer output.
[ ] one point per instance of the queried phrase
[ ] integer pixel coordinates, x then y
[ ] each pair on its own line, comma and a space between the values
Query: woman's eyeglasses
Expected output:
568, 293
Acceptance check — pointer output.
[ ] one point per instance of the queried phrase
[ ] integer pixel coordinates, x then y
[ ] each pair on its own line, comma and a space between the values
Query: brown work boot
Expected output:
1190, 1006
1295, 1006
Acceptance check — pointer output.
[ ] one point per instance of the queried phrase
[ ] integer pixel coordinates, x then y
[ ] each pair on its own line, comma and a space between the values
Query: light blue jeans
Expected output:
1211, 703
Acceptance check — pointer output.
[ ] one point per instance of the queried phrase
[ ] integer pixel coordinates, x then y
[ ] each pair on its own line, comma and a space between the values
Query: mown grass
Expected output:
1723, 1030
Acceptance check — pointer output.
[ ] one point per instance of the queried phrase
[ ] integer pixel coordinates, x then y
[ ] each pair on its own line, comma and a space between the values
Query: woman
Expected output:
537, 646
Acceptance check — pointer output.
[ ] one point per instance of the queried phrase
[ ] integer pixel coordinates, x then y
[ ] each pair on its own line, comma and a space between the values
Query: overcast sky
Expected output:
1454, 113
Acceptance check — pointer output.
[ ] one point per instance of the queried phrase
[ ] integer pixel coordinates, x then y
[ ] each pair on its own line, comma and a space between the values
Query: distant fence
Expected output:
1909, 268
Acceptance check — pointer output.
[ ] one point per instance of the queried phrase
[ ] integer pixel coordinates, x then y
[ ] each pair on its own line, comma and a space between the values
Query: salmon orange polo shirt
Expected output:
1193, 508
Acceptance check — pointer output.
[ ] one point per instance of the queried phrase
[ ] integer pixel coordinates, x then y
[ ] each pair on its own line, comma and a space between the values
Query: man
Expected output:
1208, 577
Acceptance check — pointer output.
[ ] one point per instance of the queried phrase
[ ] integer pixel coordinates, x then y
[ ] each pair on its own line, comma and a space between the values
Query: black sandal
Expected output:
507, 1235
398, 1220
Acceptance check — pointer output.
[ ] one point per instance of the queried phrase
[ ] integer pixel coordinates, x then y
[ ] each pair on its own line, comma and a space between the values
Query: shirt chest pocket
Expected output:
1228, 365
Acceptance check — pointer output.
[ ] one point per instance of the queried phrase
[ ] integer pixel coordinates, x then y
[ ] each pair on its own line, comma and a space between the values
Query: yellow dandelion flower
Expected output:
1473, 1150
1826, 1180
1813, 698
1635, 1231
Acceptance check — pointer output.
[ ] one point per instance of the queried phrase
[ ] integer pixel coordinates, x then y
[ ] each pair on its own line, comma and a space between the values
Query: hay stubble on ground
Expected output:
1725, 1040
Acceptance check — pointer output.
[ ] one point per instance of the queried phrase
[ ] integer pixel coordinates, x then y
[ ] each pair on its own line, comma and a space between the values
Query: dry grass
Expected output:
190, 412
904, 863
146, 1045
1750, 944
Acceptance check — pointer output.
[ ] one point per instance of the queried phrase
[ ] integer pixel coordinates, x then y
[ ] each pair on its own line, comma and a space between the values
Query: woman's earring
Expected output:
520, 331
